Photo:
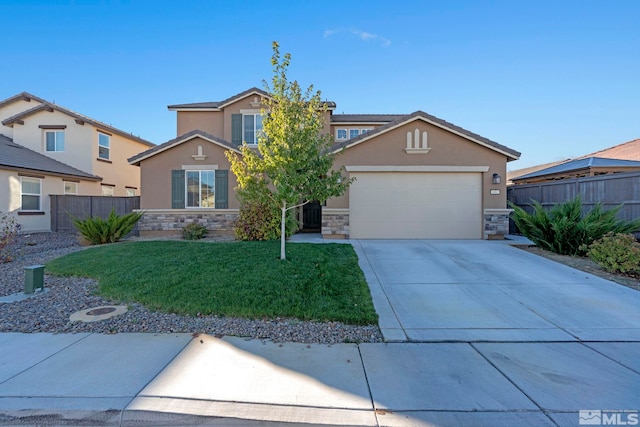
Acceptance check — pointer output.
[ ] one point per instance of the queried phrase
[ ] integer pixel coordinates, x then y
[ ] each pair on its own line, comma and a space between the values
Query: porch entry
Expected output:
312, 217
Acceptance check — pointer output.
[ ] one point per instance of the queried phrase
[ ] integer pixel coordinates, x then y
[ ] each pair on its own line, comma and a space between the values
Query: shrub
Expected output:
194, 231
616, 252
564, 230
99, 231
9, 229
261, 221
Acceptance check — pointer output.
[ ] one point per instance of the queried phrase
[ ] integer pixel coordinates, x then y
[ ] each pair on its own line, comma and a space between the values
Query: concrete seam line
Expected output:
366, 378
47, 358
511, 381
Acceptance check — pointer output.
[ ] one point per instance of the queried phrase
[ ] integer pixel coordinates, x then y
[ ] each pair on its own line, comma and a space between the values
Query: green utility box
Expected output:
33, 278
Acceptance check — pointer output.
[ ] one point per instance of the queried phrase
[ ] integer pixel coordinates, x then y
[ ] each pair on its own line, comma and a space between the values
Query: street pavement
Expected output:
479, 333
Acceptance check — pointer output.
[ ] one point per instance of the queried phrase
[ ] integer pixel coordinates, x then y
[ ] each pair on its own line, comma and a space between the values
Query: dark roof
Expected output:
15, 156
365, 118
135, 160
45, 105
223, 103
517, 173
513, 154
578, 164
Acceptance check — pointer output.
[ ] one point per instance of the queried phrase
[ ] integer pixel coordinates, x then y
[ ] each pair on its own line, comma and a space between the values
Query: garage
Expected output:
415, 205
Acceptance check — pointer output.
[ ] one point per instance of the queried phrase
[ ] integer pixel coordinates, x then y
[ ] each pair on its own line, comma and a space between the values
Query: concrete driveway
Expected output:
489, 291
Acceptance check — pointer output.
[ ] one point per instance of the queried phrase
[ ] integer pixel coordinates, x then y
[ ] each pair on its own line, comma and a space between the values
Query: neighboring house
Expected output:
622, 152
417, 176
26, 180
85, 156
579, 168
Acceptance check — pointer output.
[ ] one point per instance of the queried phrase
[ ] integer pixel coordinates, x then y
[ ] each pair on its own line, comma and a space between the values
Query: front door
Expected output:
312, 217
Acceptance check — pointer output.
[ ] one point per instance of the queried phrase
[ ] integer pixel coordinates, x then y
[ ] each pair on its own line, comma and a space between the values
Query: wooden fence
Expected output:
610, 190
63, 207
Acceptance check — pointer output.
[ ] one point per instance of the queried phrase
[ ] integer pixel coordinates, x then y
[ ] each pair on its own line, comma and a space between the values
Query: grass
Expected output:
238, 279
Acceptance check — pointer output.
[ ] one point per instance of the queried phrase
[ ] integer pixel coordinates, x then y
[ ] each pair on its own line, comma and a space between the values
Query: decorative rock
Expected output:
50, 311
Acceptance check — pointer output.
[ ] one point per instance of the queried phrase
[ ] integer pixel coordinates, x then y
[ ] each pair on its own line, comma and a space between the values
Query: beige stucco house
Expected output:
65, 153
417, 176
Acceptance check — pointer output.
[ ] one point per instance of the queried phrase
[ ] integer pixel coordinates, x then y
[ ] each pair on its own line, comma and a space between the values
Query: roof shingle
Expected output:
15, 156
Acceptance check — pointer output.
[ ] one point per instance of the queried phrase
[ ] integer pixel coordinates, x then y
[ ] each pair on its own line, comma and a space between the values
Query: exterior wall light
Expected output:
497, 179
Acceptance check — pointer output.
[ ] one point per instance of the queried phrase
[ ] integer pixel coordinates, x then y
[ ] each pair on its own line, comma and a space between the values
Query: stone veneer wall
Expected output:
335, 223
496, 223
171, 221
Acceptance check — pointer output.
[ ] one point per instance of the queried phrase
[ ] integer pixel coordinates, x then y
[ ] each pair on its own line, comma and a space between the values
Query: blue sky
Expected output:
552, 79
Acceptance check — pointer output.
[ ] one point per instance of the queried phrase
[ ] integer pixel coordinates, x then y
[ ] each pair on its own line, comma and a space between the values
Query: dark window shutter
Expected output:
236, 129
177, 189
222, 189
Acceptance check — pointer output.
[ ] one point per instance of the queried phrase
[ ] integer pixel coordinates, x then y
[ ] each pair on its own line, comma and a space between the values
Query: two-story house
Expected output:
47, 149
417, 176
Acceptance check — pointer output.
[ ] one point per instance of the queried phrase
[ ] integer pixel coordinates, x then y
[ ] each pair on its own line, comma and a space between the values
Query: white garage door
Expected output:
417, 205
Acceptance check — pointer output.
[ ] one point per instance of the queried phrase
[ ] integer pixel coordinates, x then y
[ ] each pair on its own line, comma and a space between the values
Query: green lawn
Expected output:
238, 279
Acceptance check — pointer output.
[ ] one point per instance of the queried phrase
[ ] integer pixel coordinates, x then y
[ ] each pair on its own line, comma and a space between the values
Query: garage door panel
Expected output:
416, 205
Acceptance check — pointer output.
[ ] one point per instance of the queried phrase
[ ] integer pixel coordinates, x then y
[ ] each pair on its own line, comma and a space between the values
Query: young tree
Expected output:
293, 164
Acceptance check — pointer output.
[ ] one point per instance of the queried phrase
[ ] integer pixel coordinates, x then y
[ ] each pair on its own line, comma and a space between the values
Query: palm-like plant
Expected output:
564, 229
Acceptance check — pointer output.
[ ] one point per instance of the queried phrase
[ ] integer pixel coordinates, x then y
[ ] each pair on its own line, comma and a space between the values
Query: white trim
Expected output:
39, 194
417, 168
181, 141
509, 155
335, 211
417, 150
251, 111
199, 167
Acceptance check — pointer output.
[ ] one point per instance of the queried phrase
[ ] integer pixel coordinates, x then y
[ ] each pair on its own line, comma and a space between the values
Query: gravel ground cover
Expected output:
50, 311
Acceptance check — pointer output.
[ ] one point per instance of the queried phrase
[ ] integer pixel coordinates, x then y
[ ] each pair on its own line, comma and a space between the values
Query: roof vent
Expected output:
255, 102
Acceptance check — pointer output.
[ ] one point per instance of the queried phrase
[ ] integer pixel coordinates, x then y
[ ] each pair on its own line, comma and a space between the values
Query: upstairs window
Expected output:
341, 134
104, 146
54, 140
353, 133
251, 128
31, 193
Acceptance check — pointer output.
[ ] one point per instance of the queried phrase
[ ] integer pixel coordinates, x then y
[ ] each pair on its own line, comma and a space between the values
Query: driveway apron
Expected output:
489, 291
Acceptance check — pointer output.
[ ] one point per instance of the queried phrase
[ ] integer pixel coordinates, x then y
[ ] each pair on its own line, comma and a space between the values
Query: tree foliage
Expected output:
293, 164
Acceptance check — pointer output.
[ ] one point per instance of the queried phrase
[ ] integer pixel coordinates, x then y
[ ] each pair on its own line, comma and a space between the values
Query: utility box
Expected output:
33, 278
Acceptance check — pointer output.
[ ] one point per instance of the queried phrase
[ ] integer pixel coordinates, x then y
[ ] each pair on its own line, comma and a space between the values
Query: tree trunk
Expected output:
282, 231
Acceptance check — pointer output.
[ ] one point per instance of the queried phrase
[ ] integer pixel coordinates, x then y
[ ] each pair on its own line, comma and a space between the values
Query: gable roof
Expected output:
48, 106
421, 115
364, 118
580, 164
22, 96
15, 156
219, 105
135, 160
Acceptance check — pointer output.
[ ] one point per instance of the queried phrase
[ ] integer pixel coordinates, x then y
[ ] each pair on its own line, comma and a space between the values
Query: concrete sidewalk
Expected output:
146, 379
480, 334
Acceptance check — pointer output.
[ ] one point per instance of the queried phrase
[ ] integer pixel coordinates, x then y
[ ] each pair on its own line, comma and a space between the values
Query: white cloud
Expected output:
362, 35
